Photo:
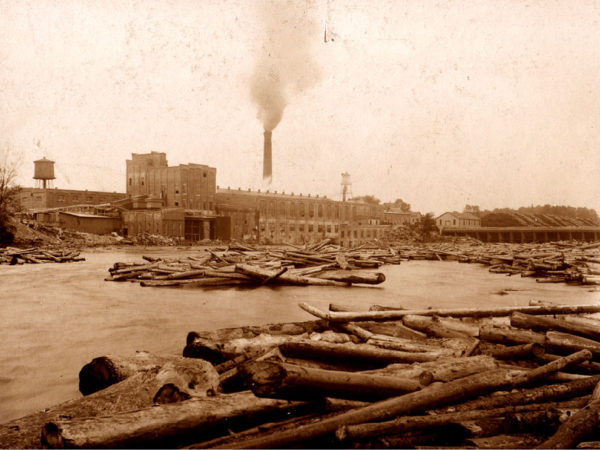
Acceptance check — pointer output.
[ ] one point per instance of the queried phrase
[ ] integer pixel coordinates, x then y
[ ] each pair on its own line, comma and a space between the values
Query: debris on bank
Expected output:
35, 255
321, 265
506, 377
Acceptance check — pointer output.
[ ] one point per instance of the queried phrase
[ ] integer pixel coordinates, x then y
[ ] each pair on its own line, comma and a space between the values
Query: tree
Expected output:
426, 226
399, 203
9, 199
370, 199
473, 209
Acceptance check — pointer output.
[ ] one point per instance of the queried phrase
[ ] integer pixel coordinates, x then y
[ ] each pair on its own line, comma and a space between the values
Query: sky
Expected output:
493, 103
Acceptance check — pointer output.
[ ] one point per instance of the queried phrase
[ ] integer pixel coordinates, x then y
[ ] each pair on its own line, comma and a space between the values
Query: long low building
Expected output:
36, 198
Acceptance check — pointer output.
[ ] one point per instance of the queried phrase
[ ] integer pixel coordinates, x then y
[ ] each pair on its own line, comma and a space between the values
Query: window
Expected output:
310, 227
320, 208
342, 232
337, 228
311, 210
320, 228
329, 228
130, 181
302, 209
301, 227
292, 227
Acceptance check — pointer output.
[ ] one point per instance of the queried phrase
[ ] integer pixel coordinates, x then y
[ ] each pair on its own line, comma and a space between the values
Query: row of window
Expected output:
363, 233
301, 228
303, 209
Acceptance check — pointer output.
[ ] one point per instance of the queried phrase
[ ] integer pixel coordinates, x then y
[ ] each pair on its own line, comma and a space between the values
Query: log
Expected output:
506, 441
165, 426
509, 336
280, 380
542, 394
286, 278
137, 391
358, 353
409, 423
544, 323
355, 277
443, 369
199, 282
519, 351
578, 427
465, 312
441, 327
105, 371
434, 395
567, 343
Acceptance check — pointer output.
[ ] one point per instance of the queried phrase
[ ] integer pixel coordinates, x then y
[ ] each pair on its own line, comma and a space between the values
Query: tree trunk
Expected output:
291, 382
165, 426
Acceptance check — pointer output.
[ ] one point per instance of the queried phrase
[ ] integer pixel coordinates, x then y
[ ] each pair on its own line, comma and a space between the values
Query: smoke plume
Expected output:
284, 65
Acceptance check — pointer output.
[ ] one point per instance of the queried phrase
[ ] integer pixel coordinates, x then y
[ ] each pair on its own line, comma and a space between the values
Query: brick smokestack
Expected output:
268, 156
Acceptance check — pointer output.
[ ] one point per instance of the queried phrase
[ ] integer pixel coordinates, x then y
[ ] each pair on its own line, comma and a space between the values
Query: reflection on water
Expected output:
55, 318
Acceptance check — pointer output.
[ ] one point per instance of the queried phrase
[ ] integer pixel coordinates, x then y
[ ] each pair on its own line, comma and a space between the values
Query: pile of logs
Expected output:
35, 255
508, 377
553, 262
323, 265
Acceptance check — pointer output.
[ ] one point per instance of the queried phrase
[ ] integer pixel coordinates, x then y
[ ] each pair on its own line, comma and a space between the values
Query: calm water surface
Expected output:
57, 317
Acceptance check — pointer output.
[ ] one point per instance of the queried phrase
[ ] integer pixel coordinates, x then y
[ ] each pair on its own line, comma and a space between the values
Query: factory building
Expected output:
296, 218
187, 186
39, 198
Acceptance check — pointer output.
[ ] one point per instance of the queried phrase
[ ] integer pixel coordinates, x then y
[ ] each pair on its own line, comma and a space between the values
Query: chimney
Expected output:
267, 165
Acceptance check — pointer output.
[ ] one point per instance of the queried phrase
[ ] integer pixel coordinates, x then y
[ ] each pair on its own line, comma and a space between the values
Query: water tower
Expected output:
43, 170
346, 186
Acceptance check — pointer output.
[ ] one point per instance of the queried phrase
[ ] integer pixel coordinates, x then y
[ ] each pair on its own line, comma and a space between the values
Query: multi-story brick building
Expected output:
187, 186
298, 218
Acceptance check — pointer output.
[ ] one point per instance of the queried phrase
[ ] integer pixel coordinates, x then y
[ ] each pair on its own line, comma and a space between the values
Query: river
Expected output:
57, 317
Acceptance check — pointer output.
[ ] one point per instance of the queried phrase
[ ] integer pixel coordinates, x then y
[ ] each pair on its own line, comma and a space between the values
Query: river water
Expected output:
57, 317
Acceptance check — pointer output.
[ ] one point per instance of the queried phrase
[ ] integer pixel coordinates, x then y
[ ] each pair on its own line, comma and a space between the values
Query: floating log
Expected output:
465, 312
165, 426
355, 277
263, 274
568, 343
281, 380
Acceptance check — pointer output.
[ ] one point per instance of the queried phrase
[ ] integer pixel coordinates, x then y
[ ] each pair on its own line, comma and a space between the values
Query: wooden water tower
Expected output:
44, 171
346, 186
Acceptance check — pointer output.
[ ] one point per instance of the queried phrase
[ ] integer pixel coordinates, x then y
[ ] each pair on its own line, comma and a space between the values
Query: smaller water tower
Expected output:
346, 186
44, 171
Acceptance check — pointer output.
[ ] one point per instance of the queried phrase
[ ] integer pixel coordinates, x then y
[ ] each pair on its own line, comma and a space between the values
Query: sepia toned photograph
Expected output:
300, 224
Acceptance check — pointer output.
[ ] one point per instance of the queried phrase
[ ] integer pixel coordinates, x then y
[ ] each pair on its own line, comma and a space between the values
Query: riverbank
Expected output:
66, 314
